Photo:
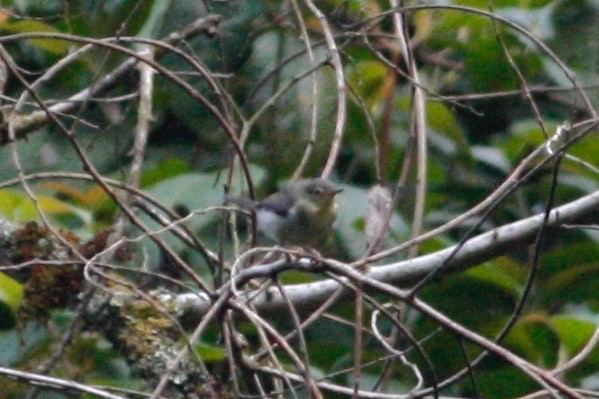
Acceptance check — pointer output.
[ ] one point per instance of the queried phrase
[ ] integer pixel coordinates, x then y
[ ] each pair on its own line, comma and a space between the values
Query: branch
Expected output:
481, 248
418, 121
341, 89
59, 384
36, 119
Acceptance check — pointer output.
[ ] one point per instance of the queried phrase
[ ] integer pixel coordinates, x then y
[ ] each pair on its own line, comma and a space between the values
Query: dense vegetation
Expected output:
126, 122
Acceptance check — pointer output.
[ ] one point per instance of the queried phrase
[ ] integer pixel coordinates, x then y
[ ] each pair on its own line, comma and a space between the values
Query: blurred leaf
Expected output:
97, 359
353, 208
15, 343
115, 16
64, 190
576, 283
482, 305
534, 337
97, 198
53, 206
587, 150
537, 21
49, 151
9, 201
329, 351
491, 156
563, 258
368, 77
574, 49
297, 277
53, 46
11, 295
447, 135
198, 191
18, 207
556, 74
487, 67
526, 135
444, 121
167, 168
574, 333
211, 353
435, 244
155, 19
501, 273
585, 185
568, 274
503, 382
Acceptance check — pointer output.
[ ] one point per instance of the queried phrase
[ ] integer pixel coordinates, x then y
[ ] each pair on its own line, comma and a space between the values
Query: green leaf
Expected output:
576, 283
11, 291
535, 338
18, 207
525, 135
502, 382
11, 295
368, 78
297, 277
586, 149
568, 273
53, 46
167, 168
444, 121
447, 135
574, 332
482, 305
487, 67
500, 273
211, 353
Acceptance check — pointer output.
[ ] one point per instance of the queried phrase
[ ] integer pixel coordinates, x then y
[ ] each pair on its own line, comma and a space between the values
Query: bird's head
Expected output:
318, 192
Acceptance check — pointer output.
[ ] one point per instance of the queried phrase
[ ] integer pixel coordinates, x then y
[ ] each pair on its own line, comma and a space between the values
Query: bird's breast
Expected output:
269, 223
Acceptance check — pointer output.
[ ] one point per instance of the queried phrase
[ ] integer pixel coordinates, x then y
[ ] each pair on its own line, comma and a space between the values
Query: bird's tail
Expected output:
241, 201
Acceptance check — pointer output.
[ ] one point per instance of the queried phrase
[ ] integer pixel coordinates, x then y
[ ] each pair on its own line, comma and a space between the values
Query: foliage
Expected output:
477, 73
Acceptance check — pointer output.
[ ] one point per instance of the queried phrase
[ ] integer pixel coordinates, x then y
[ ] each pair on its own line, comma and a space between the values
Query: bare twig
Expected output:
315, 93
419, 123
341, 94
56, 383
36, 119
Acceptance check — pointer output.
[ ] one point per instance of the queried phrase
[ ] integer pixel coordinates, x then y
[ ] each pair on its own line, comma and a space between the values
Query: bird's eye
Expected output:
317, 191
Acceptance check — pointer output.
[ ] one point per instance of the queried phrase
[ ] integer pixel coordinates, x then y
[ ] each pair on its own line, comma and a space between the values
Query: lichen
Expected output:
7, 230
149, 338
46, 287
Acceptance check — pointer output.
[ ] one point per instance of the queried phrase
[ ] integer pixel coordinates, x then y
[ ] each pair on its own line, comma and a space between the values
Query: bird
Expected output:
301, 213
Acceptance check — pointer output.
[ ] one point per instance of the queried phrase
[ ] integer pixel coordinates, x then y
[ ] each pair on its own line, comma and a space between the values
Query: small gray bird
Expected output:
301, 213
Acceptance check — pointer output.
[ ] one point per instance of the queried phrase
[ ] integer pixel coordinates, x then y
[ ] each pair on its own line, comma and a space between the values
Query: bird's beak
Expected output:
335, 192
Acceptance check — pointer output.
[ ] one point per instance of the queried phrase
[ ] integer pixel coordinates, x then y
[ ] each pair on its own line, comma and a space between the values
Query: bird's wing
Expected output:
279, 203
241, 201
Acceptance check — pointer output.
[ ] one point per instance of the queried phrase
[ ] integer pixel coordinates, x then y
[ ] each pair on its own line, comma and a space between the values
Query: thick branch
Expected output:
481, 248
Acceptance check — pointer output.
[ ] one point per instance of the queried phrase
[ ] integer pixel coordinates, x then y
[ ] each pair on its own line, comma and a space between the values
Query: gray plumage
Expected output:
301, 213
